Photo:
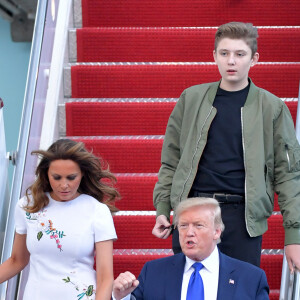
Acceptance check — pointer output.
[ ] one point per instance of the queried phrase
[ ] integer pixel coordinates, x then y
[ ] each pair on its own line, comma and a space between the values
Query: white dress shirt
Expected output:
209, 274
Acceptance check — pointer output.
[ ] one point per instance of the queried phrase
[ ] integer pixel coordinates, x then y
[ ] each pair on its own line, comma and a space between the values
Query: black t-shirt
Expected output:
221, 167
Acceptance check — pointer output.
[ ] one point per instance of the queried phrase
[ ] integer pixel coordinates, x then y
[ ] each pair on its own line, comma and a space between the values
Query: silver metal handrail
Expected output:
45, 67
290, 283
4, 191
8, 289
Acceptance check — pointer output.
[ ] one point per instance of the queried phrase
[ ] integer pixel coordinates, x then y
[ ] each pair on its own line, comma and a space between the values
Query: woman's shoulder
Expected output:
93, 202
24, 201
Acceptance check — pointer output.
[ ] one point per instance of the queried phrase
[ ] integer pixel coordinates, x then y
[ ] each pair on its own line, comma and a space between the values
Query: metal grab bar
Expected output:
290, 283
296, 287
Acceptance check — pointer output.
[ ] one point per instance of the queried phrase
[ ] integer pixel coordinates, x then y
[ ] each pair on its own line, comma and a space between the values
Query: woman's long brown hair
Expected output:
96, 181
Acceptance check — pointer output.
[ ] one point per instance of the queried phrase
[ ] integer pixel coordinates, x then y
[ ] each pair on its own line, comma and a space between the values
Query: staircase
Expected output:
129, 62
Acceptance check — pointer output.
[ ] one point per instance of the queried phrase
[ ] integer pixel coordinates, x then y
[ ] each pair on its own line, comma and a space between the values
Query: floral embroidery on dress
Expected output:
86, 292
46, 226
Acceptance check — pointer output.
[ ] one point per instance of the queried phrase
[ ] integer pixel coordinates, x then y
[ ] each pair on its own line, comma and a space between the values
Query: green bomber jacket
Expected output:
271, 156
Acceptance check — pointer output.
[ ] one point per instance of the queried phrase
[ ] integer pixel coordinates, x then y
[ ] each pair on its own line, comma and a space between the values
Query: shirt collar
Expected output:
211, 263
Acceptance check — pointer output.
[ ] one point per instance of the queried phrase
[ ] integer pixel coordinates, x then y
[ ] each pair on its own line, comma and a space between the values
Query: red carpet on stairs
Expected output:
108, 44
188, 13
134, 118
128, 155
168, 81
134, 58
134, 232
136, 191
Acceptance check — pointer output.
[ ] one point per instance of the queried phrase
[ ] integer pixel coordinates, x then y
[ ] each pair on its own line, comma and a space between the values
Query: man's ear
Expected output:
217, 233
255, 59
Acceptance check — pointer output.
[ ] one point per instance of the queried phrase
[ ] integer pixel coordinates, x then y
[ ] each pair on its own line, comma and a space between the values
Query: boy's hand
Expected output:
292, 253
162, 227
124, 284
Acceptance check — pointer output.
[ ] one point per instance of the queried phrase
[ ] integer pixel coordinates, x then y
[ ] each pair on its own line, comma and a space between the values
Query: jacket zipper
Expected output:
195, 152
244, 152
288, 157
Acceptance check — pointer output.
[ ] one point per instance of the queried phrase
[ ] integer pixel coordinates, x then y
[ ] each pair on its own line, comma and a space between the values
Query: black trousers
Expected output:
235, 240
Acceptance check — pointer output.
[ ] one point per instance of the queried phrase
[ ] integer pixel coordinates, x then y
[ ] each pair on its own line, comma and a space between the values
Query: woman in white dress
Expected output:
62, 223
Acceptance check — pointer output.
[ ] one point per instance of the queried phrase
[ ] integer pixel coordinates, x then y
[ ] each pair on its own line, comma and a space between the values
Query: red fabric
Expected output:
274, 237
124, 118
168, 81
274, 295
135, 232
175, 44
272, 265
127, 155
188, 13
117, 118
136, 192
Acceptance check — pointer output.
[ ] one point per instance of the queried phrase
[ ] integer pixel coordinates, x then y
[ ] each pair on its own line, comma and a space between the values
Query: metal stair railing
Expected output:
8, 289
4, 191
290, 283
42, 88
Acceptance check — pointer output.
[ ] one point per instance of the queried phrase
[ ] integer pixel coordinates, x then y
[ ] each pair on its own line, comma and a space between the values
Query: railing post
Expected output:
296, 287
286, 281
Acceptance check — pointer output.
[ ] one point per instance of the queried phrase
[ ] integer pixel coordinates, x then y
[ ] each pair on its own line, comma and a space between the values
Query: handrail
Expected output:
7, 289
296, 288
44, 86
4, 161
290, 283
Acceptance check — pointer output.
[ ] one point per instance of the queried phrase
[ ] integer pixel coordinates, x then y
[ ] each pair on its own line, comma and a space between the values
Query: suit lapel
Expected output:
175, 275
227, 279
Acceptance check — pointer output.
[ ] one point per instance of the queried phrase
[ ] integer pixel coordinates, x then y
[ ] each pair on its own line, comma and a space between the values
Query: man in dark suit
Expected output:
223, 278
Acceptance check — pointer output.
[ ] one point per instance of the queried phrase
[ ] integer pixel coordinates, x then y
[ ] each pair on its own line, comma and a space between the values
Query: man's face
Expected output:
197, 233
234, 59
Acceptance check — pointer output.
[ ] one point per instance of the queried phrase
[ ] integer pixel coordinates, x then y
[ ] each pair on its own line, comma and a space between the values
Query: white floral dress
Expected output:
61, 240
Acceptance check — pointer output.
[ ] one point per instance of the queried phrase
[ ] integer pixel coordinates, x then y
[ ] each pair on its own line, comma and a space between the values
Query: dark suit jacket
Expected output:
161, 279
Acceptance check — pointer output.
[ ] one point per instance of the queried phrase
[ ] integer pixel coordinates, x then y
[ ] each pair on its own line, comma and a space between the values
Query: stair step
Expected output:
135, 231
117, 118
124, 117
168, 80
274, 237
271, 264
96, 13
274, 294
173, 44
127, 154
136, 191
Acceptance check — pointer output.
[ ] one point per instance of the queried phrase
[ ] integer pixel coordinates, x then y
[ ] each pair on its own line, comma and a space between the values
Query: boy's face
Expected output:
234, 59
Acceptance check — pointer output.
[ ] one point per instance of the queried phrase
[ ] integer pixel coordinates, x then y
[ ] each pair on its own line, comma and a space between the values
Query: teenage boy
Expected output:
235, 142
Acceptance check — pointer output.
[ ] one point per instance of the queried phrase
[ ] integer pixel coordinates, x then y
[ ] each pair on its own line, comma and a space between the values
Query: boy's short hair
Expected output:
238, 30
